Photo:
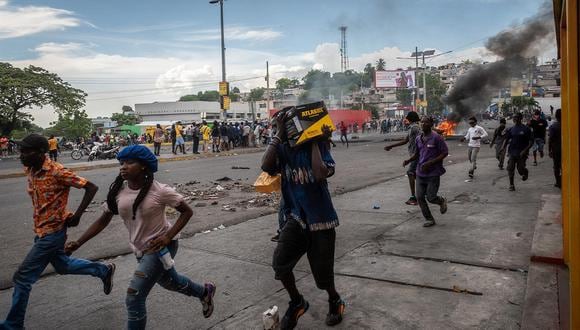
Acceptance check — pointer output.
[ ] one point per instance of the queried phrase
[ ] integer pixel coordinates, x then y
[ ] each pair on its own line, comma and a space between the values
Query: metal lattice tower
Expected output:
343, 52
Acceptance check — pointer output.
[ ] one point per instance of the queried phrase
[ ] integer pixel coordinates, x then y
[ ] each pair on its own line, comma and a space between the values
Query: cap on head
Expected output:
502, 121
518, 115
140, 153
34, 141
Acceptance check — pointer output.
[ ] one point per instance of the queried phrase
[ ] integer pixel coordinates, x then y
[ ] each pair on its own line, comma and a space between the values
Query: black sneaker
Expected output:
275, 238
294, 312
470, 174
512, 188
108, 280
207, 300
335, 311
525, 177
443, 206
429, 223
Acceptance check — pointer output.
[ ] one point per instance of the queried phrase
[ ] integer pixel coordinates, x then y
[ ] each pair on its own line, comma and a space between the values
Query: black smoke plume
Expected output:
474, 89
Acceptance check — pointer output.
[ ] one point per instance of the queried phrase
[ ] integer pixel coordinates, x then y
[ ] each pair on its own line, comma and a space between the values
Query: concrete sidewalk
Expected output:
469, 271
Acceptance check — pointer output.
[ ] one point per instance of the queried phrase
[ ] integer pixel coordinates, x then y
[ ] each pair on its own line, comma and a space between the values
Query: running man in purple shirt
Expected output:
431, 150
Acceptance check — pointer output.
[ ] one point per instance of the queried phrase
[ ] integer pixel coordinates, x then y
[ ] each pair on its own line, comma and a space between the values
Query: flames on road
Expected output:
446, 128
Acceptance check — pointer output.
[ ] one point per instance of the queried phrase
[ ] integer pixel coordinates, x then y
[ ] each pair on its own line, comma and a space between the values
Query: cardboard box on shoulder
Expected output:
304, 122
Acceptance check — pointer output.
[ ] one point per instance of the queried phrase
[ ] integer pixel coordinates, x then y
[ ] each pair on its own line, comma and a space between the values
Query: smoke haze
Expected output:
473, 90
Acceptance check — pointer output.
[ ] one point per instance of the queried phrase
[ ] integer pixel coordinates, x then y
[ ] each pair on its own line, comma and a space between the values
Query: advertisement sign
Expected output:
395, 79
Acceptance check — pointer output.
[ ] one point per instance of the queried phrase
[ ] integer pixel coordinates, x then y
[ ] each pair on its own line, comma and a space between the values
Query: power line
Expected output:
157, 91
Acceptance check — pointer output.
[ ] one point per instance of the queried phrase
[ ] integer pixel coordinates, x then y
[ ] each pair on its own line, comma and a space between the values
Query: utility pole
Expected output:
417, 85
424, 84
223, 113
415, 56
268, 88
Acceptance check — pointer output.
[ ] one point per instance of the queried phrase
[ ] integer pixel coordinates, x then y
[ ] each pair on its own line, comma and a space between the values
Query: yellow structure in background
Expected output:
566, 24
516, 88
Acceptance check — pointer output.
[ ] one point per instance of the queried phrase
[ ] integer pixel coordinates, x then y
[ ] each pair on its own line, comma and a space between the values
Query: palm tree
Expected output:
381, 64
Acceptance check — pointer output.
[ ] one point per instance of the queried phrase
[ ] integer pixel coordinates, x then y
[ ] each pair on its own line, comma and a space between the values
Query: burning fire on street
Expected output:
446, 128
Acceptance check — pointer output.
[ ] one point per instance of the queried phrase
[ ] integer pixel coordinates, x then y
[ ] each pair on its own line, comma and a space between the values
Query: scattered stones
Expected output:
240, 168
228, 208
225, 178
214, 203
200, 204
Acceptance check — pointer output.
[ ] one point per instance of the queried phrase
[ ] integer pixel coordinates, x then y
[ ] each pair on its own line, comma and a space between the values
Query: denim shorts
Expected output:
538, 145
412, 170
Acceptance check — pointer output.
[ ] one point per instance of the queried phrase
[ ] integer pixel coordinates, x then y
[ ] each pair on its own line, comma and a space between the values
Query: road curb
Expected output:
88, 167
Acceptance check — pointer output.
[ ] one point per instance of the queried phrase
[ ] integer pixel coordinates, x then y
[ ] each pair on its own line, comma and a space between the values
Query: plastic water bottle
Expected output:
271, 319
165, 258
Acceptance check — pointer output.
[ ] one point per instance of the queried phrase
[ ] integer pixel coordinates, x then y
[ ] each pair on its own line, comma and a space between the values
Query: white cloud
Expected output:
112, 80
234, 33
21, 21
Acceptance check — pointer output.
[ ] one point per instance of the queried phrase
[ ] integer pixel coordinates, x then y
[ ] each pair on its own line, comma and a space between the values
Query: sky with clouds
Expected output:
127, 52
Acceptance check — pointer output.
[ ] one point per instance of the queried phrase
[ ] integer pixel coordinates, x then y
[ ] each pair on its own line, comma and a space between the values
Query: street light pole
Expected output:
221, 2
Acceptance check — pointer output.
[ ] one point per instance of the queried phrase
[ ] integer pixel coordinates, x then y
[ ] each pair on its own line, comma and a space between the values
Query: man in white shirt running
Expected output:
474, 135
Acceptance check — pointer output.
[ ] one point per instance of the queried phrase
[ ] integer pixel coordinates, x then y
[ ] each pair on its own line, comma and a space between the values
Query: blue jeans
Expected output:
150, 271
47, 249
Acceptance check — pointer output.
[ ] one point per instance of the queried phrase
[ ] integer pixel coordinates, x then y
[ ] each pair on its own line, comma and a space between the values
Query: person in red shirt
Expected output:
3, 146
343, 133
48, 185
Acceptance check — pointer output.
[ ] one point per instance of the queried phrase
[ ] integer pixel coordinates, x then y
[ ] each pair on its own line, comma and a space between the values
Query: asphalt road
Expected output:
359, 166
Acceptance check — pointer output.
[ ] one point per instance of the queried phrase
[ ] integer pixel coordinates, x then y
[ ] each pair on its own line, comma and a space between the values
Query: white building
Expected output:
190, 111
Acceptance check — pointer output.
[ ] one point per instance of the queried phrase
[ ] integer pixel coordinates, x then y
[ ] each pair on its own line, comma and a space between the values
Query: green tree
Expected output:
285, 83
189, 97
521, 102
381, 64
368, 75
435, 91
33, 87
210, 96
71, 124
256, 94
126, 108
404, 96
122, 119
235, 94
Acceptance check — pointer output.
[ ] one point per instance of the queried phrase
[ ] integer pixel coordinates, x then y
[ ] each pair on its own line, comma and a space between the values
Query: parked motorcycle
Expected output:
80, 150
99, 151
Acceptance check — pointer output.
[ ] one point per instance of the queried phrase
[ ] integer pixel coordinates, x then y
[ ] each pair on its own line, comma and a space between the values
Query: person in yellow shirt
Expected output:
205, 131
53, 148
179, 141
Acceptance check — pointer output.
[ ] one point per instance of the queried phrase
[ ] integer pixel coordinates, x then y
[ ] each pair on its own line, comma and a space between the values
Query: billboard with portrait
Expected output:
395, 79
